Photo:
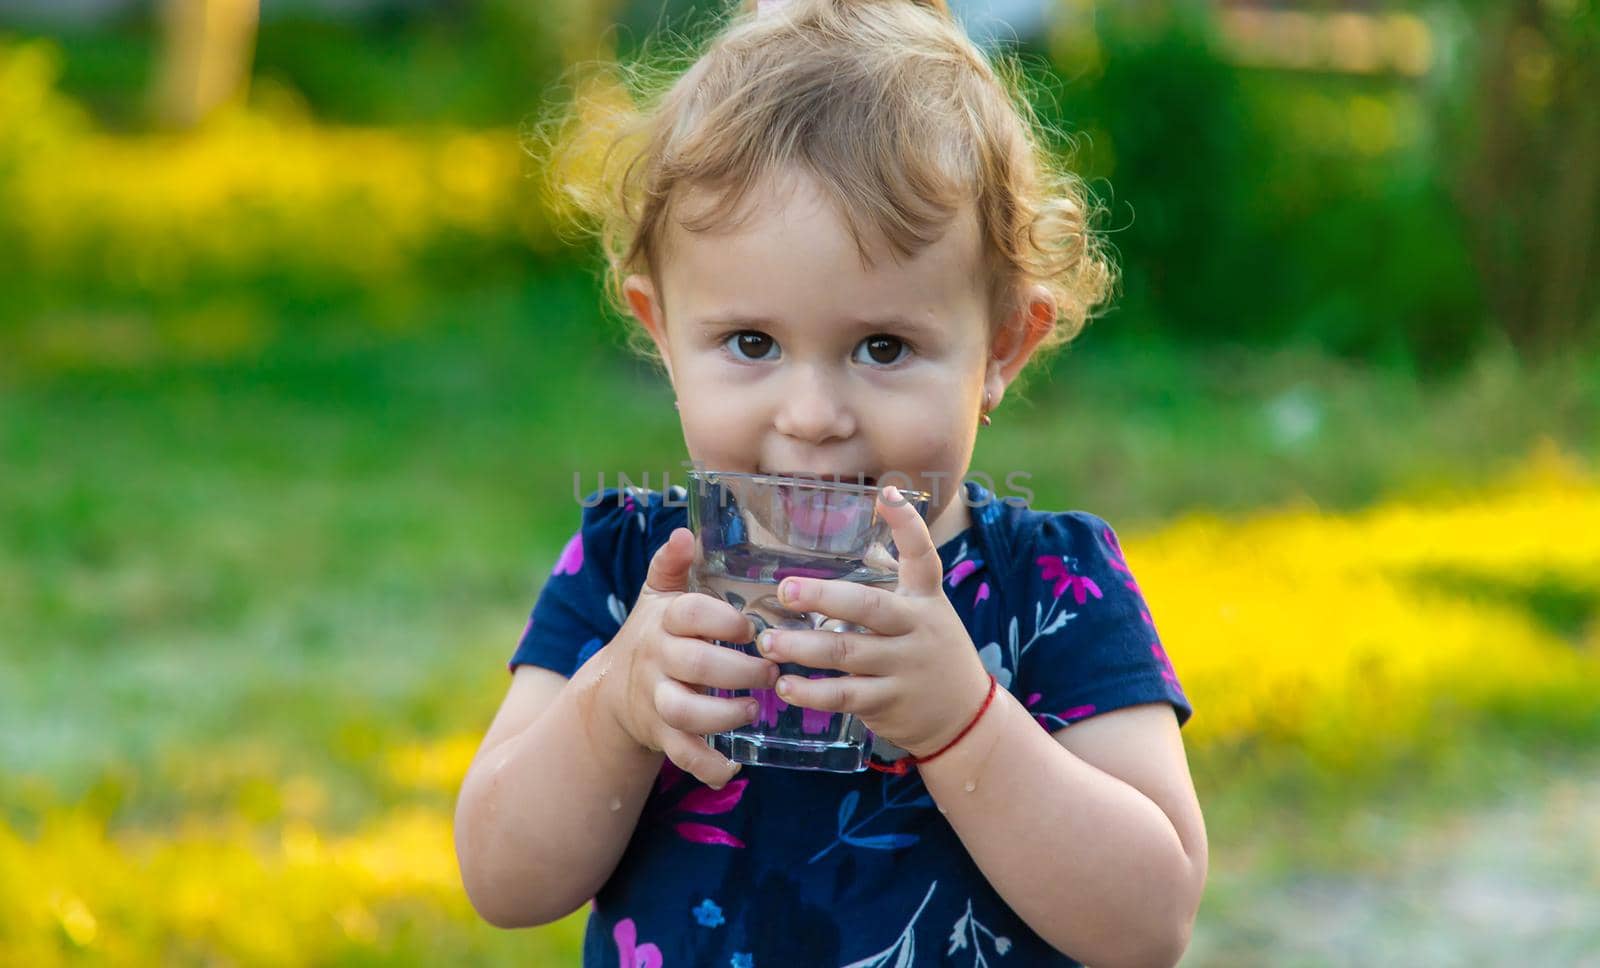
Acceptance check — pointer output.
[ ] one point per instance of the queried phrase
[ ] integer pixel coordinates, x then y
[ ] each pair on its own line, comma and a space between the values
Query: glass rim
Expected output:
830, 484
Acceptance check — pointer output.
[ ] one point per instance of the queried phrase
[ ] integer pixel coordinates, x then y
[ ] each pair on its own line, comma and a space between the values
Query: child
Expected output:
839, 233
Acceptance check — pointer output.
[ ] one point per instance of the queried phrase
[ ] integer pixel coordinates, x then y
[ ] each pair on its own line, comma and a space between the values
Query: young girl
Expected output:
842, 238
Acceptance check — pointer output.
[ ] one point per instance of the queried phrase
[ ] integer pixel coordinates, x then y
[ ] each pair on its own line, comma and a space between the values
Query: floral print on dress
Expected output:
1167, 673
961, 570
630, 506
904, 949
571, 559
703, 801
1119, 561
967, 927
769, 706
630, 954
908, 793
1057, 568
994, 663
836, 868
1046, 622
1054, 721
708, 914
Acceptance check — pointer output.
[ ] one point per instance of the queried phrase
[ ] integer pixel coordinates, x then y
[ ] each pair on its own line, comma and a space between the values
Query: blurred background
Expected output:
297, 364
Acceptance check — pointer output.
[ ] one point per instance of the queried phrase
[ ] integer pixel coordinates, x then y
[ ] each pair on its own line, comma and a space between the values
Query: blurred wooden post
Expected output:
1527, 170
208, 47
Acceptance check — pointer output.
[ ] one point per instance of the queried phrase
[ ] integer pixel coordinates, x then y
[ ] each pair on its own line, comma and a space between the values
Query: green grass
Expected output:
215, 574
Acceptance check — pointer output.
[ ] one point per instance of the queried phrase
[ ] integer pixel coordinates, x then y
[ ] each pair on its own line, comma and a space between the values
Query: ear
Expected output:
642, 298
1016, 338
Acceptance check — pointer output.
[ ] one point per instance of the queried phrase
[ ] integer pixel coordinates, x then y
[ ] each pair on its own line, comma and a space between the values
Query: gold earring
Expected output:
983, 414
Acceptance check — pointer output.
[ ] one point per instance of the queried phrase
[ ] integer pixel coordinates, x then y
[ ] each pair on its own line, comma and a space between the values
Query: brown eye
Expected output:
881, 350
751, 345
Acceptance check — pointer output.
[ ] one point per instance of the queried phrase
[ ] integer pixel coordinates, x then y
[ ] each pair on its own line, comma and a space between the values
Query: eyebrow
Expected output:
890, 323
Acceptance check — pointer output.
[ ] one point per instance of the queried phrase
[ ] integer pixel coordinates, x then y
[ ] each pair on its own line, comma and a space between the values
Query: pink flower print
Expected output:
704, 801
815, 720
571, 556
983, 592
1054, 568
1054, 721
769, 706
629, 954
629, 507
1119, 561
960, 572
1166, 665
704, 833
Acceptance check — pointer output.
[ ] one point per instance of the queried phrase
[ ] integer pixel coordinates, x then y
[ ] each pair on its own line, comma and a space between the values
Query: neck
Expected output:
954, 519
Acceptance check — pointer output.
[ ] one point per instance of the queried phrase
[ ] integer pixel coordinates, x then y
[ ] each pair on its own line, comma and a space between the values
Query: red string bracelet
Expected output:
904, 763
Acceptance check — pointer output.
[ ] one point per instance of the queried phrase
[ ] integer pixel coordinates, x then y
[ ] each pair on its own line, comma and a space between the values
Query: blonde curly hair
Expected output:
898, 116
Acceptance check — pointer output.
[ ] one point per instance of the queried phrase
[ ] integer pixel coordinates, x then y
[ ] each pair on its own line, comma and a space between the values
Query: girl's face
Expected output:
789, 356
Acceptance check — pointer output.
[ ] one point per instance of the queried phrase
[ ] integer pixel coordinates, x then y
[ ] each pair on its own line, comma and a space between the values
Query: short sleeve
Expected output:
1085, 640
595, 581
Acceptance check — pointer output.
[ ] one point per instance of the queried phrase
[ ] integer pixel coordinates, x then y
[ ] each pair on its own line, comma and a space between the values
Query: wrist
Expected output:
603, 705
979, 697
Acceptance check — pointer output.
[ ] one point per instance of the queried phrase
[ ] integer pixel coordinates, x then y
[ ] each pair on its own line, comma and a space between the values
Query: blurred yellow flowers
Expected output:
1337, 635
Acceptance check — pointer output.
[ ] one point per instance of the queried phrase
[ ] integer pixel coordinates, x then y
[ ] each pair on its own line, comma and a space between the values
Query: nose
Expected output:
813, 410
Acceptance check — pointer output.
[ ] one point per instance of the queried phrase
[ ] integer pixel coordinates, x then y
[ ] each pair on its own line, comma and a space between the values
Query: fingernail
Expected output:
891, 492
751, 711
765, 642
784, 688
789, 590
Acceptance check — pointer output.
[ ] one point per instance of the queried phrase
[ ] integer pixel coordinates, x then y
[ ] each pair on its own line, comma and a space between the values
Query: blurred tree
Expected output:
206, 61
1524, 152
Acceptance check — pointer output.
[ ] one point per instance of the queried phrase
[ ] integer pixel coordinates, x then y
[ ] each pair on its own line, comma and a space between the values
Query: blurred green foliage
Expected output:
288, 402
1246, 203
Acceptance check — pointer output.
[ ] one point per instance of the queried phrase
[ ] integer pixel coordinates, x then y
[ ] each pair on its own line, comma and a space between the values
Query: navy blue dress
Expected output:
796, 868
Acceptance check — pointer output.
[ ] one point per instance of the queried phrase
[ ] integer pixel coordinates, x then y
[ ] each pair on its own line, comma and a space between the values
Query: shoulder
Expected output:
619, 531
1039, 542
623, 512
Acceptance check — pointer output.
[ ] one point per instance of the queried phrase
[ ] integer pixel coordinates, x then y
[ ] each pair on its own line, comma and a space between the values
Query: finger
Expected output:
878, 609
862, 695
920, 568
694, 757
669, 566
852, 652
704, 617
681, 707
700, 663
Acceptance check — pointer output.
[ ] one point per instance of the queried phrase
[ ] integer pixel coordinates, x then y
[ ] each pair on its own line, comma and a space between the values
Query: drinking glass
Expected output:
751, 532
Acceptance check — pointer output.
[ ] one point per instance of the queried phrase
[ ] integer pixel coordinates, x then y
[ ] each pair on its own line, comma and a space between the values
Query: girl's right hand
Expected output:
663, 656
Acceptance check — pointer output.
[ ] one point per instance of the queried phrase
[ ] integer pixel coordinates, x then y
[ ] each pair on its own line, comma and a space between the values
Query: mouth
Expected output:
832, 477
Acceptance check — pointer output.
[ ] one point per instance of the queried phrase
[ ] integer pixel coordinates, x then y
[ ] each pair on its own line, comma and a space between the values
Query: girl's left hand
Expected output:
917, 679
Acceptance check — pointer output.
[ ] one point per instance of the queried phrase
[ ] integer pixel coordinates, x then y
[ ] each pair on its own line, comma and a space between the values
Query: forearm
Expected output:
543, 818
1089, 862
